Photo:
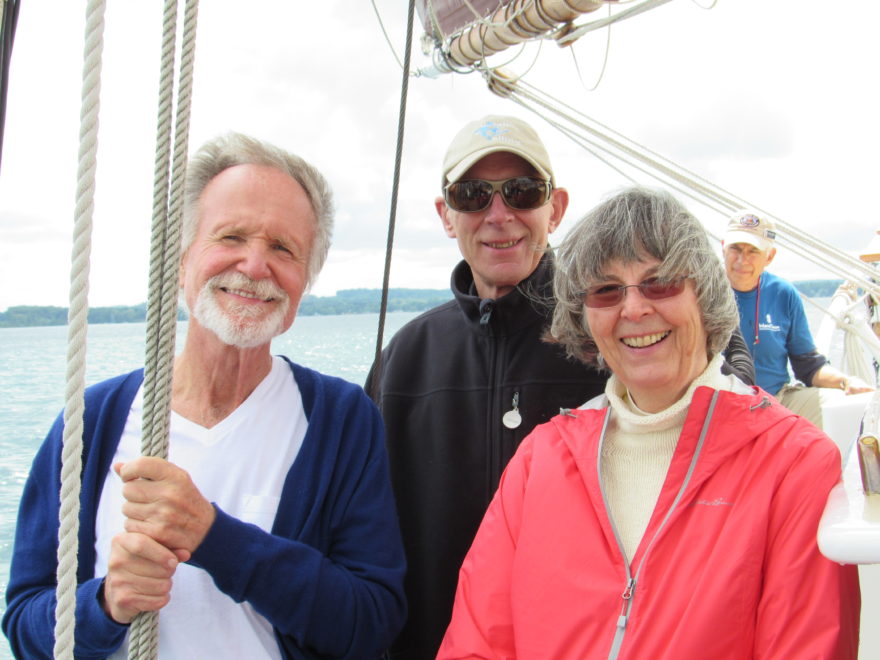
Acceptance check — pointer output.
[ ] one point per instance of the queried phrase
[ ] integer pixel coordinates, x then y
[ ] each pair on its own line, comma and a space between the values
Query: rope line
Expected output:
161, 176
385, 34
165, 267
570, 36
143, 632
72, 441
401, 122
8, 20
619, 153
586, 131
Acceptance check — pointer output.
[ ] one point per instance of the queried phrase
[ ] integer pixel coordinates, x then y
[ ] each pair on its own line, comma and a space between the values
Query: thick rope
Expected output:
165, 265
401, 122
71, 453
161, 176
143, 633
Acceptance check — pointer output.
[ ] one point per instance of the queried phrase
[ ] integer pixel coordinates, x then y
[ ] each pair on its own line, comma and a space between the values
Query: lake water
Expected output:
32, 373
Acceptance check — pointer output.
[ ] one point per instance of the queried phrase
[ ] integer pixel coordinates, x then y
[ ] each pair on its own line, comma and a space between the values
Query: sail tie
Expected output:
401, 122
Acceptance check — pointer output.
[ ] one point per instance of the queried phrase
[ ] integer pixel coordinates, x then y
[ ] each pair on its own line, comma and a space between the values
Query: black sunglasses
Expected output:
522, 193
653, 288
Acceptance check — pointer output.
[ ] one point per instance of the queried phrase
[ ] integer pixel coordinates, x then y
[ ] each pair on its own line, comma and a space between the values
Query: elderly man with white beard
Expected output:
270, 531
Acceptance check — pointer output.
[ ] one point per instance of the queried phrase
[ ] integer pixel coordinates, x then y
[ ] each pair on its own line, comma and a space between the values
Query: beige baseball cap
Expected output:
491, 134
749, 227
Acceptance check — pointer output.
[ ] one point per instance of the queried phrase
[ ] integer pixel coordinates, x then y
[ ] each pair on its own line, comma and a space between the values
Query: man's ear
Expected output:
559, 200
770, 255
443, 212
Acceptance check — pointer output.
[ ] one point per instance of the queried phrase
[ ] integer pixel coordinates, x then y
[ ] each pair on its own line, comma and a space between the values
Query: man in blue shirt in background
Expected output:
774, 324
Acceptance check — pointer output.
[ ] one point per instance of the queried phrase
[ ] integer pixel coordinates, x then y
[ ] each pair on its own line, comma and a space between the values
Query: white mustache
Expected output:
263, 289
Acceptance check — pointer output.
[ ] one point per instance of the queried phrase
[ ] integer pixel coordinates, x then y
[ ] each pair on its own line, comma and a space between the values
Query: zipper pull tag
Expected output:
512, 419
627, 601
630, 588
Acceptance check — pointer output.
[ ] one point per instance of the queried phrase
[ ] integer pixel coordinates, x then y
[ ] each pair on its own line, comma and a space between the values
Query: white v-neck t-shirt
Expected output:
240, 464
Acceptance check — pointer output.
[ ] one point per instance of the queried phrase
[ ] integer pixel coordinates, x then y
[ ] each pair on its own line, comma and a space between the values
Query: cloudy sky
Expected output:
776, 102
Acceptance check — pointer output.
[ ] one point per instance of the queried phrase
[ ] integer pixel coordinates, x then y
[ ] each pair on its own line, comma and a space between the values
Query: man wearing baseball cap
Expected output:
774, 324
461, 385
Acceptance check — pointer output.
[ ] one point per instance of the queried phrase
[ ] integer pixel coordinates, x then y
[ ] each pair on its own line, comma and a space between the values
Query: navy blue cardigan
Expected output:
329, 577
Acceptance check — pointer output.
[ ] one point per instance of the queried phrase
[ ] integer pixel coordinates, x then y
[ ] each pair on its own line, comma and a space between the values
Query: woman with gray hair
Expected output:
675, 516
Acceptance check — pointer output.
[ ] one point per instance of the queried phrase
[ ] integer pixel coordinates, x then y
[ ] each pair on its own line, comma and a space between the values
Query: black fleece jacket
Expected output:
447, 379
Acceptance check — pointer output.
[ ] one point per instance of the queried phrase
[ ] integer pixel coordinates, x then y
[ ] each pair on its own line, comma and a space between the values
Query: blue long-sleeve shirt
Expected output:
329, 578
777, 333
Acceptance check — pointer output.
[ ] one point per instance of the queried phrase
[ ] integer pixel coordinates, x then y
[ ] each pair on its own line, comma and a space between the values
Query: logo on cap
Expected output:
746, 223
490, 130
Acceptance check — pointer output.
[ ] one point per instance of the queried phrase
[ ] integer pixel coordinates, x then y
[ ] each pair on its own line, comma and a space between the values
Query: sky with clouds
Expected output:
776, 102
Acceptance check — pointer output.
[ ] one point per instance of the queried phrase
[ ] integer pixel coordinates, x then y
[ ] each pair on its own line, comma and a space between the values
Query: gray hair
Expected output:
630, 226
234, 149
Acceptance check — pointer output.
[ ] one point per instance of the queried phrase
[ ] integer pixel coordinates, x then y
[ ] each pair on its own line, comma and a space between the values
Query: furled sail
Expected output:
472, 30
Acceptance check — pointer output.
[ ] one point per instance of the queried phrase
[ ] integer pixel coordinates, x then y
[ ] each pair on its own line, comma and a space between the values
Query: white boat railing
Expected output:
849, 532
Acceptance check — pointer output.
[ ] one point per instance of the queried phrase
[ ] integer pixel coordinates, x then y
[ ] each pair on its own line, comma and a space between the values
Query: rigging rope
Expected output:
164, 269
570, 36
74, 405
596, 137
8, 20
620, 153
385, 34
401, 122
162, 308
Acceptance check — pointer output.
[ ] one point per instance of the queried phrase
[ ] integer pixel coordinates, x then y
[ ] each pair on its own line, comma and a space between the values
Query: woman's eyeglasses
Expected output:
653, 288
522, 193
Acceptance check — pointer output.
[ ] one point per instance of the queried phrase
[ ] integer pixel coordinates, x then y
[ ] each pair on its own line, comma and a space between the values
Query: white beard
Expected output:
243, 326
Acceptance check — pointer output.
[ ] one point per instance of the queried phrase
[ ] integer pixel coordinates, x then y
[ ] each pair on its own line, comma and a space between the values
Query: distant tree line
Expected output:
368, 301
347, 301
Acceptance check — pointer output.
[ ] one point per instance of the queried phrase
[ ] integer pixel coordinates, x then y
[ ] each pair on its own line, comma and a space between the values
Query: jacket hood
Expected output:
752, 415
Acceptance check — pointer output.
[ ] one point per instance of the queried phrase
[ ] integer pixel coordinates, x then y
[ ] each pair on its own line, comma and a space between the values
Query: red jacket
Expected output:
730, 570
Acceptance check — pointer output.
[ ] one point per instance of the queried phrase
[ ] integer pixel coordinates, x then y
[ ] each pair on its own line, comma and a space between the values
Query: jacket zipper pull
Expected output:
627, 602
765, 403
512, 419
486, 307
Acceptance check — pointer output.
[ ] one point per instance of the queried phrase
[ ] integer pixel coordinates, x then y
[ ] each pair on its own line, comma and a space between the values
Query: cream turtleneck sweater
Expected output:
638, 449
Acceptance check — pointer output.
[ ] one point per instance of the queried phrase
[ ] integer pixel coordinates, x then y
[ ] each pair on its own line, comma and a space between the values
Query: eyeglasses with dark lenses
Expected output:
653, 288
522, 193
